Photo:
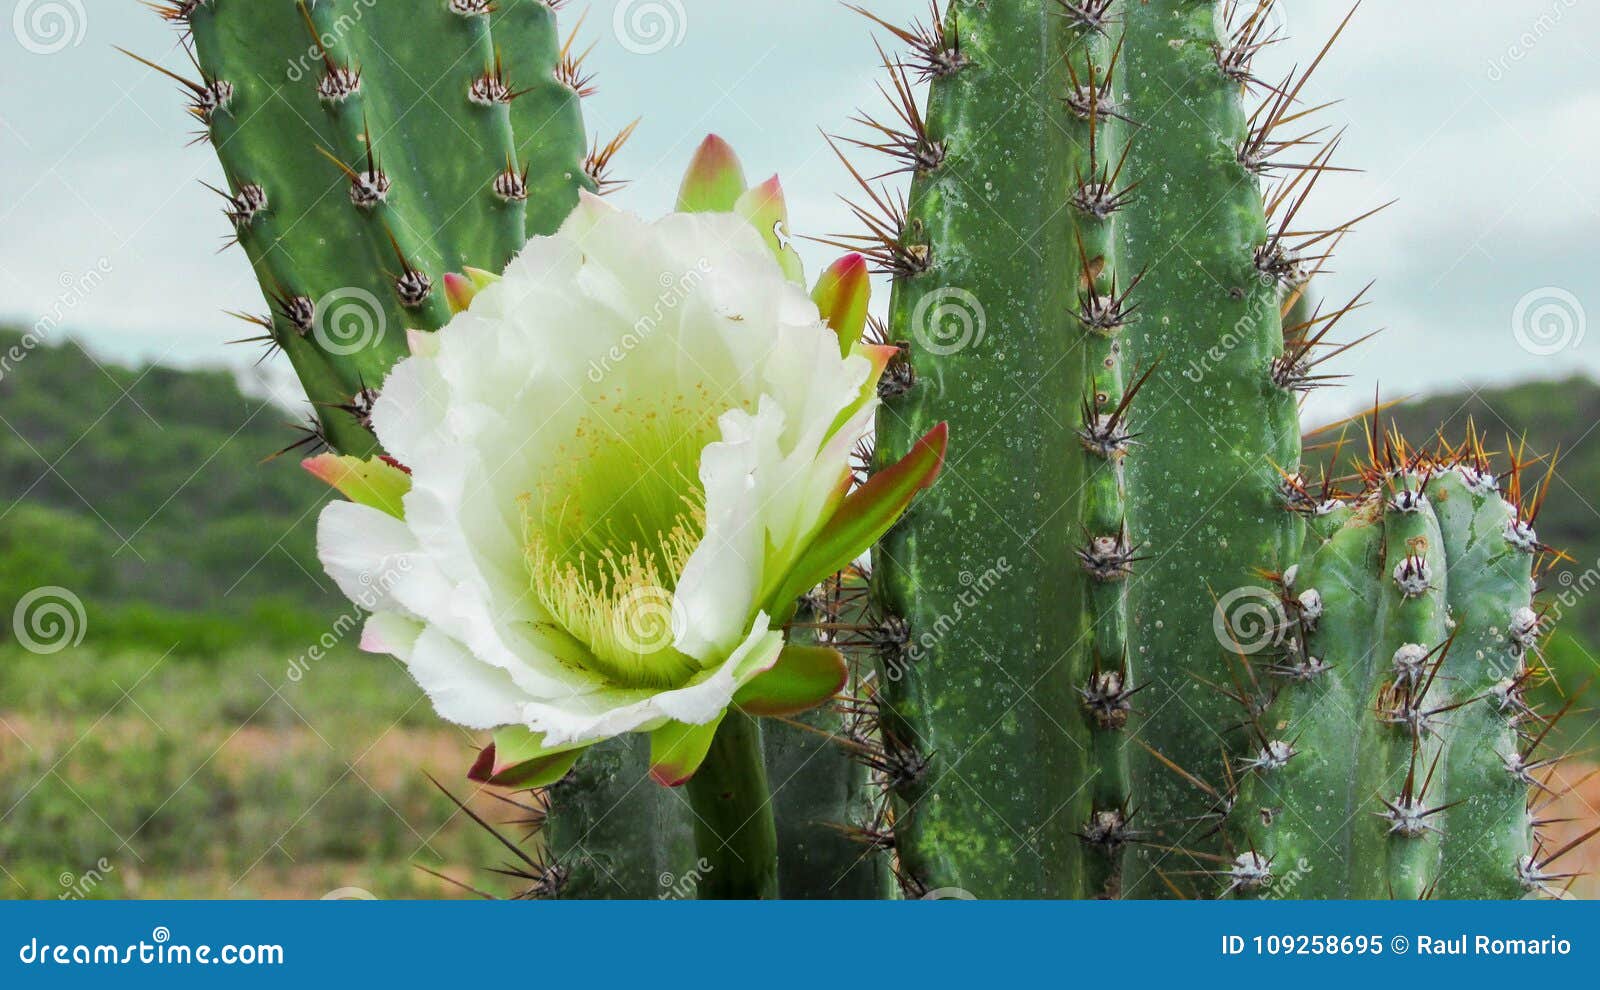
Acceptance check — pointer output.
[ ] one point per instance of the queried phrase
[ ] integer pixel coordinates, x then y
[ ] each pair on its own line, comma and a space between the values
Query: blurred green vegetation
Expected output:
143, 492
191, 745
139, 774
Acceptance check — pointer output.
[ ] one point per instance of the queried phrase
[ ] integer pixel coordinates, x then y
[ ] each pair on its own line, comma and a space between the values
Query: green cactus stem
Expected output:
975, 683
371, 149
831, 844
615, 833
733, 818
1397, 766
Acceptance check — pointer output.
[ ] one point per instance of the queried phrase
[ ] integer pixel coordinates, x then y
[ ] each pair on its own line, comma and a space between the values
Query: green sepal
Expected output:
519, 758
803, 678
862, 518
374, 482
768, 211
677, 749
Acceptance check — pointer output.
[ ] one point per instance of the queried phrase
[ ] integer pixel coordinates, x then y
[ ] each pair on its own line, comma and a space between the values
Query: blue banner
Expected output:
952, 943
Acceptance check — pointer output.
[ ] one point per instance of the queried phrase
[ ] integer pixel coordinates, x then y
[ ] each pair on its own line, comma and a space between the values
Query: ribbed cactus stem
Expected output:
988, 274
1410, 626
1214, 427
370, 149
831, 845
1401, 768
1487, 832
1103, 673
620, 841
547, 117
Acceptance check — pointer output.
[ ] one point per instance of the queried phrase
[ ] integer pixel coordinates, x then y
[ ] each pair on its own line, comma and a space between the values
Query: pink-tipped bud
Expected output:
715, 179
459, 290
765, 208
842, 294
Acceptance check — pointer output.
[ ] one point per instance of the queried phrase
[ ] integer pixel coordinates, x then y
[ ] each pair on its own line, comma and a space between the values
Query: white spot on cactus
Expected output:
1311, 607
1521, 535
1408, 500
1250, 871
1524, 627
1413, 576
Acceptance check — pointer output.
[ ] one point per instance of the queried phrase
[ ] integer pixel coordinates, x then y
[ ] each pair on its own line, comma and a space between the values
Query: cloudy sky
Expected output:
1481, 125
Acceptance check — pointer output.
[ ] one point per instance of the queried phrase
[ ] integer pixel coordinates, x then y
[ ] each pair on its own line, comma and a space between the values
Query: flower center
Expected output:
608, 532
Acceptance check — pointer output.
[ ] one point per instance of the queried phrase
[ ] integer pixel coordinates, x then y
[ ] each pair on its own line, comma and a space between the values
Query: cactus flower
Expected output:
622, 465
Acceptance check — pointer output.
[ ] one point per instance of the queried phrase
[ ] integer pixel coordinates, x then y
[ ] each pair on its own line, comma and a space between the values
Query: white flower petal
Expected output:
463, 689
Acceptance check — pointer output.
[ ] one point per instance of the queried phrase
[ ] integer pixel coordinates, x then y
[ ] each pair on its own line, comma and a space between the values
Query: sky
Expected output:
1481, 125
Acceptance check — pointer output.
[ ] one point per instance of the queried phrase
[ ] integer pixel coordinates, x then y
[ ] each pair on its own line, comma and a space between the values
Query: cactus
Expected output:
1123, 386
1101, 284
370, 149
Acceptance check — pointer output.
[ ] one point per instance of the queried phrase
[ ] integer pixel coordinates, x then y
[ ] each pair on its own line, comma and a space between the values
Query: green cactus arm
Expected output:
1403, 780
1487, 832
1299, 814
476, 140
547, 117
1214, 427
823, 802
304, 242
980, 681
430, 118
1401, 773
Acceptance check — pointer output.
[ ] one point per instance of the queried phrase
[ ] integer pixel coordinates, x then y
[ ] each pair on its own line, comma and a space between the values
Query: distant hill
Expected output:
142, 491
